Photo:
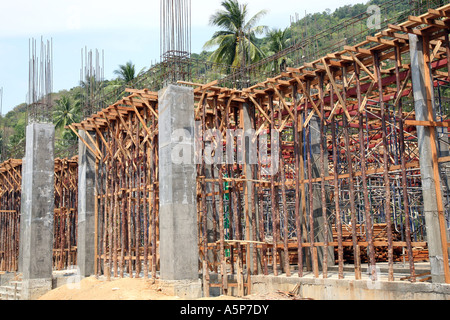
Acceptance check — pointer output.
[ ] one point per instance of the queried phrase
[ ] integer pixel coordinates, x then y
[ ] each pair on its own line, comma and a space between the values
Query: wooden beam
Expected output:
362, 65
84, 141
336, 90
444, 159
259, 108
445, 124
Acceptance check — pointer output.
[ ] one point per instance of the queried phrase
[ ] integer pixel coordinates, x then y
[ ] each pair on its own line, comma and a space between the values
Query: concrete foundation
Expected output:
32, 289
187, 290
86, 208
336, 289
37, 210
177, 191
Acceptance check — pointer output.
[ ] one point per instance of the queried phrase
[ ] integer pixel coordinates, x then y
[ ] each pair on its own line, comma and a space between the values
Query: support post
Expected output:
86, 208
424, 107
22, 215
38, 206
179, 251
319, 222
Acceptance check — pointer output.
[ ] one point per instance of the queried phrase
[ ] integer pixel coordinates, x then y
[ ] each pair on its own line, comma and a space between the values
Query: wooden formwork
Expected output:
65, 213
124, 139
10, 191
363, 169
362, 173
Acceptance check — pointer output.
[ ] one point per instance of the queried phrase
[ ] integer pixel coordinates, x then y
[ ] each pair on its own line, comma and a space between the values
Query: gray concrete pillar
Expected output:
319, 223
22, 210
38, 210
86, 208
250, 158
444, 151
179, 254
425, 158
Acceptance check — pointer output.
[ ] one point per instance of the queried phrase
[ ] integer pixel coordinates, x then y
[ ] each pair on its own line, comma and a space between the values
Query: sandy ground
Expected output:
117, 289
132, 289
120, 289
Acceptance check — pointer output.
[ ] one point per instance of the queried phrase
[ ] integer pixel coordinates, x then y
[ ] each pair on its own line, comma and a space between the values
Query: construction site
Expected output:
326, 179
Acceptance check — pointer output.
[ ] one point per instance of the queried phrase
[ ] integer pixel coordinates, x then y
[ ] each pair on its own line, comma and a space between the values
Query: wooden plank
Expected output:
445, 124
363, 66
259, 108
308, 96
444, 159
84, 141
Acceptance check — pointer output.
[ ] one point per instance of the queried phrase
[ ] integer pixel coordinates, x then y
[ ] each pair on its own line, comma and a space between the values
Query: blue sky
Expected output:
125, 30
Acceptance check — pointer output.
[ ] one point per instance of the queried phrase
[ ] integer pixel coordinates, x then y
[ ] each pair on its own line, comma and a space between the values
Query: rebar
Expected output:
175, 26
40, 82
92, 75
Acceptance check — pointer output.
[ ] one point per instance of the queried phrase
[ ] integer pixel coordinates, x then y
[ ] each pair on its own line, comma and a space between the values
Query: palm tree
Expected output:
237, 40
278, 40
127, 72
65, 112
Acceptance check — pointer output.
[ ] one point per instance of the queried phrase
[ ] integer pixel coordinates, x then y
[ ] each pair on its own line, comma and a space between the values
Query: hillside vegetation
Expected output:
68, 104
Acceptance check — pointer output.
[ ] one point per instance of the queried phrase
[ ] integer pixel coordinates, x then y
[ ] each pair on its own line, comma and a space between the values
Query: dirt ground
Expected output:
132, 289
117, 289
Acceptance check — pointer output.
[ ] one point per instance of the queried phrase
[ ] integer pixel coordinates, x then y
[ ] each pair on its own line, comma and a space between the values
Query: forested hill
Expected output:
67, 103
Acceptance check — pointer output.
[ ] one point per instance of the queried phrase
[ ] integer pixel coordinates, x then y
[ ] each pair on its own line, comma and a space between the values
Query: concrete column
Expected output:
250, 159
426, 161
319, 222
38, 206
444, 151
177, 185
86, 208
22, 210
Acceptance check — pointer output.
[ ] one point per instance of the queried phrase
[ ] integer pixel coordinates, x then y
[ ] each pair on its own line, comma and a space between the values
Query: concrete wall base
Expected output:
34, 288
185, 289
337, 289
6, 277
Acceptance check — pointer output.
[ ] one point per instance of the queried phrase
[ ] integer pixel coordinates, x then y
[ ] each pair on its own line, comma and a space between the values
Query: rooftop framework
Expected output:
348, 140
364, 168
331, 39
65, 213
125, 140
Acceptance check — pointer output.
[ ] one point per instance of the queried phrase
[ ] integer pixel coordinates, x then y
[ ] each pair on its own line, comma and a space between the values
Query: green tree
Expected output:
127, 72
237, 39
66, 112
15, 138
278, 40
